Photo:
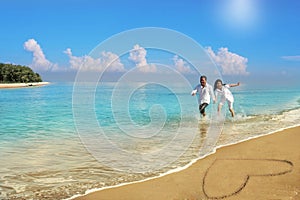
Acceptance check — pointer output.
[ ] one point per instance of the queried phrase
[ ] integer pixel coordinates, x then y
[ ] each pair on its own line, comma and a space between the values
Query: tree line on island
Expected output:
10, 73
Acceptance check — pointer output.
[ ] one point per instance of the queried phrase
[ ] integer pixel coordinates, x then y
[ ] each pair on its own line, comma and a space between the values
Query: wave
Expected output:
289, 116
178, 169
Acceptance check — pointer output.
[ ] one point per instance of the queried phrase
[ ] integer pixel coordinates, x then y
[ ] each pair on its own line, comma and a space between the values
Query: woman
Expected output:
222, 91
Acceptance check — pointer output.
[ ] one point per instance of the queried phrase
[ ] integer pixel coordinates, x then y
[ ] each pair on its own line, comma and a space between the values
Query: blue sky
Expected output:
264, 32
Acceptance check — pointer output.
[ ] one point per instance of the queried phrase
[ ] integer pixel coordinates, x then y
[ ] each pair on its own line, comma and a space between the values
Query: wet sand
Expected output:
265, 168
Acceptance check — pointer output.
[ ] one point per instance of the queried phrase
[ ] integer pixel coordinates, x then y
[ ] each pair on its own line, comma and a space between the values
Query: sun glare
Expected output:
240, 14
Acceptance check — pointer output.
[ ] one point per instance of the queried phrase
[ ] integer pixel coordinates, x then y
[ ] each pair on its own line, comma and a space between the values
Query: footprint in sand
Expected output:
222, 180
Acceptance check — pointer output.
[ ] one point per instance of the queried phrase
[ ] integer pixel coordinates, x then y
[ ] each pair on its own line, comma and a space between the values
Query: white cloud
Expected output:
138, 56
230, 63
113, 60
291, 58
181, 65
108, 60
39, 62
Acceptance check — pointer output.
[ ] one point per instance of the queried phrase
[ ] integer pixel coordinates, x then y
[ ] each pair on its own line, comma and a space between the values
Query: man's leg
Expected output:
202, 109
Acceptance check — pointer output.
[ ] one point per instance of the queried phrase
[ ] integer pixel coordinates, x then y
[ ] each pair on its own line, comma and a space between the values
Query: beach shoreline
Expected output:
267, 152
21, 85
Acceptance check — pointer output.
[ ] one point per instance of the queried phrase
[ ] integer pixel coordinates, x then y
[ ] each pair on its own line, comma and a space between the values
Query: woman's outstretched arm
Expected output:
234, 85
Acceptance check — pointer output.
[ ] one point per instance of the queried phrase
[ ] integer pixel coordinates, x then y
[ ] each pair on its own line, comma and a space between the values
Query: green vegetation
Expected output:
10, 73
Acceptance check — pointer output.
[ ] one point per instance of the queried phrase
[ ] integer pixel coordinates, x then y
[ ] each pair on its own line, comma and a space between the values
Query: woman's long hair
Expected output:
216, 82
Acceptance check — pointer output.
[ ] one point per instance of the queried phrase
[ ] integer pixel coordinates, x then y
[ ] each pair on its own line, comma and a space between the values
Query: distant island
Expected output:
14, 76
10, 73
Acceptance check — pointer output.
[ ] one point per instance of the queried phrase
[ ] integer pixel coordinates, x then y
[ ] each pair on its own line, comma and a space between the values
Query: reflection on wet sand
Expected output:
203, 128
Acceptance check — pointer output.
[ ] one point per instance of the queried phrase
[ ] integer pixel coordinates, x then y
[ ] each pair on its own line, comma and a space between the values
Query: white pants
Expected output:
230, 104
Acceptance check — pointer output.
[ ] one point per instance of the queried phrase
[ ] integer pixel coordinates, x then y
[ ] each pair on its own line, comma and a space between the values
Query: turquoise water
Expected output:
42, 156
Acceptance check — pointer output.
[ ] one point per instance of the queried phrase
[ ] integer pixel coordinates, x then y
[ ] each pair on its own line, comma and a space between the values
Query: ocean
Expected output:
55, 145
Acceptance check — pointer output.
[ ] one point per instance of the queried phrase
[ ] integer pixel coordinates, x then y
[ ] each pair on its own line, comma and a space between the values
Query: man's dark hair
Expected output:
203, 77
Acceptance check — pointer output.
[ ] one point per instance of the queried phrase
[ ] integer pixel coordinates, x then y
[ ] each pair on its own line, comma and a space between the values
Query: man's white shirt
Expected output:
205, 93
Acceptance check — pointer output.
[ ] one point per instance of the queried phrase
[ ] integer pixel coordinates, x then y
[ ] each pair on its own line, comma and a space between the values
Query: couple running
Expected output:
206, 92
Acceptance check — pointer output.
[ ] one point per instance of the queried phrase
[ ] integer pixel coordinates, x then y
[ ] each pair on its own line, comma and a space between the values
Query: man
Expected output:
205, 92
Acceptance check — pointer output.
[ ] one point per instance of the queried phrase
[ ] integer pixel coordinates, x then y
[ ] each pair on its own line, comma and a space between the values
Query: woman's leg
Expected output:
221, 103
230, 105
220, 107
232, 112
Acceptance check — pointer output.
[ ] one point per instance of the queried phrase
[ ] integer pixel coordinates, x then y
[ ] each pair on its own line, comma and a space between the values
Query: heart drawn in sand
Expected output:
222, 180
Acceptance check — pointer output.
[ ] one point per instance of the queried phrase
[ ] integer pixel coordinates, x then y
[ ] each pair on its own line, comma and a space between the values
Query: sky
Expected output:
247, 39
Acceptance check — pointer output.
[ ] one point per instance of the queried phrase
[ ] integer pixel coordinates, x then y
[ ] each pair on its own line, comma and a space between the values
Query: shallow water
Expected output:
42, 156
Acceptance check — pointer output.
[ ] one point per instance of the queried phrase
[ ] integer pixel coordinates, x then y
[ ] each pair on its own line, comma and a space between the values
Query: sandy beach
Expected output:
263, 168
20, 85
